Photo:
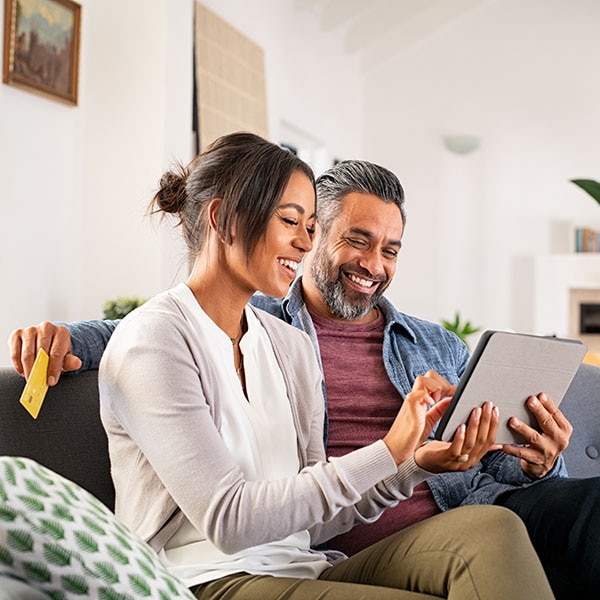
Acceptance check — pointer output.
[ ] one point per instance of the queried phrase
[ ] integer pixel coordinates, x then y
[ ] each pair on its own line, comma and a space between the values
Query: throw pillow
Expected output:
64, 542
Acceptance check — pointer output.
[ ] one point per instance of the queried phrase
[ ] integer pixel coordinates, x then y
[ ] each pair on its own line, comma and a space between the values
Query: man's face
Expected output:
353, 264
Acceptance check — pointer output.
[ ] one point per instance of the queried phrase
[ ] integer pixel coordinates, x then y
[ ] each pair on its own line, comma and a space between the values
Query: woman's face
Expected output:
273, 263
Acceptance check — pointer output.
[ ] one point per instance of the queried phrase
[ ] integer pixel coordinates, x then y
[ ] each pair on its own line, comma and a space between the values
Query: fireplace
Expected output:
584, 322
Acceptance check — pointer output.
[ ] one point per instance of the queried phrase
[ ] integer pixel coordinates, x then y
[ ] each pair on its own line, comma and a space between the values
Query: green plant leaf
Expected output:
75, 584
140, 585
7, 514
70, 489
37, 571
146, 568
3, 493
52, 528
5, 556
57, 555
108, 594
85, 541
62, 512
35, 487
462, 330
591, 186
107, 572
31, 503
117, 309
171, 587
93, 525
123, 541
39, 472
9, 473
19, 539
117, 555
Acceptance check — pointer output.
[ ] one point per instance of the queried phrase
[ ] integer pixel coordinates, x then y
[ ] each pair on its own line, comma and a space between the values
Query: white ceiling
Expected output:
378, 30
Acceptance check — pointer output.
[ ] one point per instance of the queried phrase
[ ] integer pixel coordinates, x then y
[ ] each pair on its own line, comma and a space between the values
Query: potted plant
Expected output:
591, 186
118, 308
462, 329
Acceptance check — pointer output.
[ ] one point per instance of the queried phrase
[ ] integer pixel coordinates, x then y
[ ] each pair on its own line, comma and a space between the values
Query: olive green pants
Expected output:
470, 553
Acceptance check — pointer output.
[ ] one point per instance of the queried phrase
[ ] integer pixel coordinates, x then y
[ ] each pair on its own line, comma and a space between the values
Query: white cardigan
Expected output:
164, 419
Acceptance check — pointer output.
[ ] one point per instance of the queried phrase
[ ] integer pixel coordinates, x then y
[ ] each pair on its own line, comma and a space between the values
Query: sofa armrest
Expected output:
67, 437
581, 405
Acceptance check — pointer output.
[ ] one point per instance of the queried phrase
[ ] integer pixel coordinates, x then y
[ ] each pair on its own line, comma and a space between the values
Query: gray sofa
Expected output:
68, 437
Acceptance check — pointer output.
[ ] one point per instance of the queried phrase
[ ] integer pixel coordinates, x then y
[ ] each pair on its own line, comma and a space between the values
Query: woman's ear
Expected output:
213, 215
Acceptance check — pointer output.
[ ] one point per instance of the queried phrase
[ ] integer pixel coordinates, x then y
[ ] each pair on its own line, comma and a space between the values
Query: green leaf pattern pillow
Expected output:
64, 542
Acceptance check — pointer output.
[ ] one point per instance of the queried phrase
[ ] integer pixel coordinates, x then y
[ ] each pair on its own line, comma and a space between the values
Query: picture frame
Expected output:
41, 47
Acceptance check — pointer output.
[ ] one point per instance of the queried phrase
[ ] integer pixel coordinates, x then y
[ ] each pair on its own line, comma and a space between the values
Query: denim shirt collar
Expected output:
293, 303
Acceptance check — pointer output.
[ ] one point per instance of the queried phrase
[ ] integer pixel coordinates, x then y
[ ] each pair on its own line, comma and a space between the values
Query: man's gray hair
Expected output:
350, 176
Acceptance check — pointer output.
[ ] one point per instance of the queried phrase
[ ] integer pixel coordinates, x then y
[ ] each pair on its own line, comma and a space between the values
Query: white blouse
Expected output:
259, 432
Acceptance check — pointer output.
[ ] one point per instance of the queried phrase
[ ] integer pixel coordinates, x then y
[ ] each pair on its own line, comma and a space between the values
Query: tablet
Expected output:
506, 368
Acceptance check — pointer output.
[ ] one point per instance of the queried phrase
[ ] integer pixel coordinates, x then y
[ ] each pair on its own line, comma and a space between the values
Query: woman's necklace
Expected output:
239, 370
238, 337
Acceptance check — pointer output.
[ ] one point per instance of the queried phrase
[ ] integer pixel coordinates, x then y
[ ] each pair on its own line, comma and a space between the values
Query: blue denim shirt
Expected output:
411, 347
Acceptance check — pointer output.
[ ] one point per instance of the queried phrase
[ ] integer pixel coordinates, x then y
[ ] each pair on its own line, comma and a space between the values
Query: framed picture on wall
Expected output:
41, 47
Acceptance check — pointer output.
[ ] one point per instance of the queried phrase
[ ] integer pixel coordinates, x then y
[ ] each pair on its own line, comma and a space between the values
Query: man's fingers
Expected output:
71, 363
59, 349
54, 339
549, 416
14, 342
29, 349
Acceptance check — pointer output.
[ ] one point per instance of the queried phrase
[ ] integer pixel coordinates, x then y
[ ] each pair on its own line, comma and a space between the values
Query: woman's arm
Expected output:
163, 428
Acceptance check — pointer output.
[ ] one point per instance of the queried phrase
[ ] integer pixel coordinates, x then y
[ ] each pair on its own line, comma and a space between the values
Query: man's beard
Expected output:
349, 306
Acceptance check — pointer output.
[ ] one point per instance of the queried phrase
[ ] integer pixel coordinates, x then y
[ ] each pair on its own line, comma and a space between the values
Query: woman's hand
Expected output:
420, 411
468, 446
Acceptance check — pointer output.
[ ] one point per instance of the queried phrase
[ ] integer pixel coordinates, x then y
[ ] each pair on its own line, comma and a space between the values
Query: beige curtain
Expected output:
230, 80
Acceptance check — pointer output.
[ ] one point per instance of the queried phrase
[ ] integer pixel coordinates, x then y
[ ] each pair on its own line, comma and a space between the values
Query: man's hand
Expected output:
54, 339
469, 444
541, 450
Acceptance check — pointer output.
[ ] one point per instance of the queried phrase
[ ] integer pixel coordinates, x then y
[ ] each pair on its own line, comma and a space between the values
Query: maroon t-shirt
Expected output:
361, 405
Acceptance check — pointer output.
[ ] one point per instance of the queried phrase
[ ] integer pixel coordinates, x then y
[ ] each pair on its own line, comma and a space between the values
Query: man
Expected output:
370, 355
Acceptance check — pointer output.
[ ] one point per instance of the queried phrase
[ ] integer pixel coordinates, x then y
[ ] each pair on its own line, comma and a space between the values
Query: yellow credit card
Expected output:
36, 387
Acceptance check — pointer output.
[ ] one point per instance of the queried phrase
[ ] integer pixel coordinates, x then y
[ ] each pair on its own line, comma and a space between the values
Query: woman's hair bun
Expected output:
171, 195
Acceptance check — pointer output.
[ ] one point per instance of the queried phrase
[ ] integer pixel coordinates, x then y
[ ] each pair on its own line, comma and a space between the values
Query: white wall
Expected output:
313, 88
523, 76
77, 180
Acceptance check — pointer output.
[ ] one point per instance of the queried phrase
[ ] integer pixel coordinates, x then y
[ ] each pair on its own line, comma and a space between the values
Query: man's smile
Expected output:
360, 283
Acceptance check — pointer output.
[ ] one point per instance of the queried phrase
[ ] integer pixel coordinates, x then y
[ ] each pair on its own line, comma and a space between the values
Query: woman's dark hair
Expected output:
247, 172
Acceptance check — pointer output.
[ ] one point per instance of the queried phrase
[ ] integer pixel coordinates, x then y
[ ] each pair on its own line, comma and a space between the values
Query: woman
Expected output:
214, 413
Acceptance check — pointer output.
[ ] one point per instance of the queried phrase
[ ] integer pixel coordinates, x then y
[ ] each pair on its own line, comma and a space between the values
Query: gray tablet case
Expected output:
506, 368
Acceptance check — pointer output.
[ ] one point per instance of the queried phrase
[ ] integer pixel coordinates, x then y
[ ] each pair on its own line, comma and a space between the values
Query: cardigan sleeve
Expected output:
163, 426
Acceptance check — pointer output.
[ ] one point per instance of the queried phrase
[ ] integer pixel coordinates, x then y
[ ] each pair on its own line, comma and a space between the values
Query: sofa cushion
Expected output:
64, 542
